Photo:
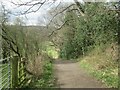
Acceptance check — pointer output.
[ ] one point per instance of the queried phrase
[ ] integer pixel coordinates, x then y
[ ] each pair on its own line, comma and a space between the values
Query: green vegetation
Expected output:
50, 50
93, 39
27, 42
90, 37
83, 33
46, 80
102, 66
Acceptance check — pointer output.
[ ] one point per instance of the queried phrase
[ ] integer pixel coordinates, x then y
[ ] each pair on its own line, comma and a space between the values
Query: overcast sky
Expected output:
32, 18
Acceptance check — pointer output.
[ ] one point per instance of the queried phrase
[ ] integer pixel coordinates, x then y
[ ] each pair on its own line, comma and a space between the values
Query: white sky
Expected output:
32, 18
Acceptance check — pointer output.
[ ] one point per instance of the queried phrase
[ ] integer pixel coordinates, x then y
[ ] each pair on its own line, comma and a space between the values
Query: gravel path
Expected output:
70, 75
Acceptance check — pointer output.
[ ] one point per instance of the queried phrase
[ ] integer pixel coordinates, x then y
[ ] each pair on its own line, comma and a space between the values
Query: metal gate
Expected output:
12, 73
5, 73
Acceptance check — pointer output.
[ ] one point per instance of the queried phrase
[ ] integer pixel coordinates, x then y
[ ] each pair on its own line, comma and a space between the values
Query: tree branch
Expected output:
60, 13
81, 11
31, 5
59, 27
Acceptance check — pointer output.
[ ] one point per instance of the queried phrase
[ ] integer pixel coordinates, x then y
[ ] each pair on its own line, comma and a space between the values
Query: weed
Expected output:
46, 80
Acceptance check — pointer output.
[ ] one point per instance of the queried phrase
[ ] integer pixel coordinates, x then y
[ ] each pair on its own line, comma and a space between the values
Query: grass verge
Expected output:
46, 80
102, 65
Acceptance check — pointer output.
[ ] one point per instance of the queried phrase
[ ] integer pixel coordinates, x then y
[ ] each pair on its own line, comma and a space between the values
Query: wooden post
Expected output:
19, 71
15, 71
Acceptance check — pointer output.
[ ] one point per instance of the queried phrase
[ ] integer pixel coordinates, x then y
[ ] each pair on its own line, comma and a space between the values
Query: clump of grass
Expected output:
46, 80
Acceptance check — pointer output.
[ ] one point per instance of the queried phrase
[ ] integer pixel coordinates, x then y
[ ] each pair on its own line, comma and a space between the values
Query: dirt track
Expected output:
70, 75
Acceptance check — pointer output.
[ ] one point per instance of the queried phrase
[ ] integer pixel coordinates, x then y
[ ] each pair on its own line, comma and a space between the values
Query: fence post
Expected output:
15, 71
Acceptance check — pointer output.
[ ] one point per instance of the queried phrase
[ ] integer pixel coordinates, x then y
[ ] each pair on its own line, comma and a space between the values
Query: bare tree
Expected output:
59, 11
39, 3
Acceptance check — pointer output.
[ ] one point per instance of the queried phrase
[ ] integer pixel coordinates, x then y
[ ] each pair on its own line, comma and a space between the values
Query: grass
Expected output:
107, 76
46, 80
102, 65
